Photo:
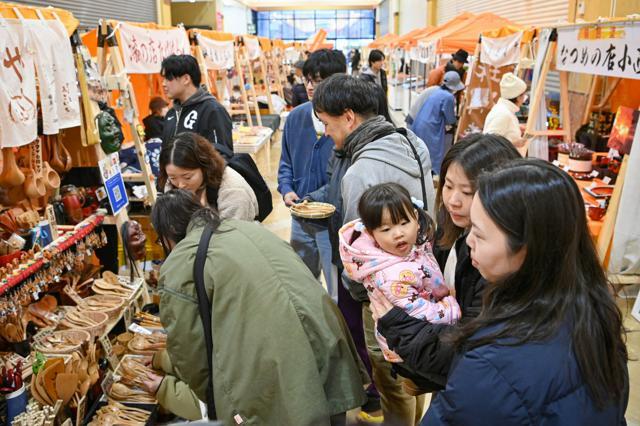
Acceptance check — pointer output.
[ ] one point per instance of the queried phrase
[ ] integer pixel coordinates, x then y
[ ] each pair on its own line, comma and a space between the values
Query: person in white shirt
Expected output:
502, 119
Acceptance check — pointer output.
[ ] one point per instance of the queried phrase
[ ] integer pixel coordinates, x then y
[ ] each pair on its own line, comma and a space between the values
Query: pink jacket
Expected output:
406, 281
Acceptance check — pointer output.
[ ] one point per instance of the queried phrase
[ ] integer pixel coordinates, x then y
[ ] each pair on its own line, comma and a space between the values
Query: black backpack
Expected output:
246, 167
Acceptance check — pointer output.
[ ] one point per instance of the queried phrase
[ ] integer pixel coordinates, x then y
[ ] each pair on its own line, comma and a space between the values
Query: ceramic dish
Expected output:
603, 191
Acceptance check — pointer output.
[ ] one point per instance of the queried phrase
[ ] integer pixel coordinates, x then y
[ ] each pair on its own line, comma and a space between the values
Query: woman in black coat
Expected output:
548, 347
426, 358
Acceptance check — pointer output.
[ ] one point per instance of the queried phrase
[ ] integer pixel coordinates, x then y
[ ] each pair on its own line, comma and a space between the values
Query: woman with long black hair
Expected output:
548, 346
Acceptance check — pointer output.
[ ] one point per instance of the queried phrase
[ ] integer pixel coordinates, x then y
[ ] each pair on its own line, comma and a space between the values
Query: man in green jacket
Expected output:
282, 352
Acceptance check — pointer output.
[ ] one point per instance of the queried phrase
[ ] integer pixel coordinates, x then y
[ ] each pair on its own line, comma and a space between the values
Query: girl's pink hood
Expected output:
364, 257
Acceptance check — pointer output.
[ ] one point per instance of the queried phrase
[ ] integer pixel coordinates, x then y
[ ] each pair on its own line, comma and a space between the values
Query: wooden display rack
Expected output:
111, 66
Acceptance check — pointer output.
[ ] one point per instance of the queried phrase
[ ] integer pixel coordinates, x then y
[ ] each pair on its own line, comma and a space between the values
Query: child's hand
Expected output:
380, 305
439, 292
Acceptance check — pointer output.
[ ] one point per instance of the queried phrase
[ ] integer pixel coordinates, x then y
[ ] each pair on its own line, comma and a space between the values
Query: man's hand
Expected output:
290, 198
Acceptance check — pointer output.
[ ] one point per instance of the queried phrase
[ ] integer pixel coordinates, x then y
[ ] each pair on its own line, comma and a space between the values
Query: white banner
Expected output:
425, 52
144, 49
56, 70
18, 98
501, 51
218, 55
605, 49
253, 47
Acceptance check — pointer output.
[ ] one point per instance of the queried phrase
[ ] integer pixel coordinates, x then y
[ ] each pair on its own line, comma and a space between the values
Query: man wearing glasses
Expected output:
303, 167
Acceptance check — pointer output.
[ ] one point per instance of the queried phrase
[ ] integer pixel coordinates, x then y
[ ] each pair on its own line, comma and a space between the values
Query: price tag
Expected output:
594, 174
135, 328
606, 180
566, 168
109, 380
73, 295
128, 315
556, 163
82, 410
108, 350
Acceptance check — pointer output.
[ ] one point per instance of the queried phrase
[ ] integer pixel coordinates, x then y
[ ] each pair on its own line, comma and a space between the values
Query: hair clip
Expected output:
418, 203
359, 226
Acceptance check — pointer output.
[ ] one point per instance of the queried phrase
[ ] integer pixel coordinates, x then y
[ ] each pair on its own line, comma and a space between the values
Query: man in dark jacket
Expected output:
374, 73
194, 109
457, 62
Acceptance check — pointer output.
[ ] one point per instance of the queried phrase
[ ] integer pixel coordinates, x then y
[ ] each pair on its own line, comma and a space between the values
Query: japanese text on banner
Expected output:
612, 50
144, 49
218, 55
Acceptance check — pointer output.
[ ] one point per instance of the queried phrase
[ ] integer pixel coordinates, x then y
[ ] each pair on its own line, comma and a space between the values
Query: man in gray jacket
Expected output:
368, 151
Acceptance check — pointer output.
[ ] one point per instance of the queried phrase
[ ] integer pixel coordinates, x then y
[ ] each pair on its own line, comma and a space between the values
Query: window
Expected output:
356, 25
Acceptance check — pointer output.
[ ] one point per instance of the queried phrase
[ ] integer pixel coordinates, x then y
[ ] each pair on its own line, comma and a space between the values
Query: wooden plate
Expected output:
604, 191
312, 210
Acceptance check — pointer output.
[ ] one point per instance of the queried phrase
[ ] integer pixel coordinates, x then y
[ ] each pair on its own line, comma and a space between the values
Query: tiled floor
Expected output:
279, 222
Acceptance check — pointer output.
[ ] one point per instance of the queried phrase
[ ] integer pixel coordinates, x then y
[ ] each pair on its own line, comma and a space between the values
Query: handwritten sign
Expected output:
144, 49
82, 410
108, 350
18, 108
501, 51
218, 55
425, 52
601, 49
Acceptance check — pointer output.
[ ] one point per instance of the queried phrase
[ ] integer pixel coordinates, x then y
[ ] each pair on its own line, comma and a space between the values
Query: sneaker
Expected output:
365, 418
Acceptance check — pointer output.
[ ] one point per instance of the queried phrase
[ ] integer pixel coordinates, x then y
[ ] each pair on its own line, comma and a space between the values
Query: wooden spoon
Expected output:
66, 384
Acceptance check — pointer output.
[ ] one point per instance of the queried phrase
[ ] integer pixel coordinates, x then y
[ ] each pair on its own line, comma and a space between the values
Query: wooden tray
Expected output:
312, 210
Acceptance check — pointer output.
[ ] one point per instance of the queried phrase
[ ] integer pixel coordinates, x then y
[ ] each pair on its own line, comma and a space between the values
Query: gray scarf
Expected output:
372, 129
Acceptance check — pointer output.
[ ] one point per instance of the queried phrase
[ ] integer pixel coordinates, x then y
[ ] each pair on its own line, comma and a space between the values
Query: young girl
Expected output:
389, 248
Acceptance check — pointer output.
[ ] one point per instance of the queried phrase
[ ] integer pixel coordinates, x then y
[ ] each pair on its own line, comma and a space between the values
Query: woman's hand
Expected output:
380, 305
152, 383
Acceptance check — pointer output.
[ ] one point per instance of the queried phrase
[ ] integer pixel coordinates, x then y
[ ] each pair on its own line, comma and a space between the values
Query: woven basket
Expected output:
82, 335
113, 313
95, 330
313, 210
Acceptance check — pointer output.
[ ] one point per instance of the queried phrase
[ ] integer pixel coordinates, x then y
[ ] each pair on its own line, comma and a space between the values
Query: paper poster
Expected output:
18, 98
113, 182
602, 49
144, 49
253, 47
502, 51
56, 71
218, 55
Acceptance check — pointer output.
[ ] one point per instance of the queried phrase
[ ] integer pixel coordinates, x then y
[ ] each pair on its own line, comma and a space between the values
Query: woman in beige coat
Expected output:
190, 162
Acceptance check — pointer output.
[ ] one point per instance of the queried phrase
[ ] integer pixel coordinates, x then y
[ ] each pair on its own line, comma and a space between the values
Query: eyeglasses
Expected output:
312, 82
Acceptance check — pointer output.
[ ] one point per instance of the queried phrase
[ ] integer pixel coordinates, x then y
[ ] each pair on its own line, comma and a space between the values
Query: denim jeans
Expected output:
310, 240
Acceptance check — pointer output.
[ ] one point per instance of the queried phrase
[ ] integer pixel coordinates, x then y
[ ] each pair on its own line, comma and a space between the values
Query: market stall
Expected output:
62, 307
599, 49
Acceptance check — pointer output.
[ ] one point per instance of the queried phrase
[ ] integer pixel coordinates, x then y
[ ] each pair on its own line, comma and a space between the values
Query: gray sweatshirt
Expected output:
389, 159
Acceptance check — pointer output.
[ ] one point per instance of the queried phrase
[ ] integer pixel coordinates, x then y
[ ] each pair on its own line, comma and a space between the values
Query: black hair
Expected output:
172, 213
397, 200
324, 63
383, 104
174, 66
514, 100
475, 153
375, 55
341, 92
561, 281
189, 150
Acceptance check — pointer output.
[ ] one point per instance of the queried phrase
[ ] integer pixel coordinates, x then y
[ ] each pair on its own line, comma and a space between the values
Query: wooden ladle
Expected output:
11, 174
